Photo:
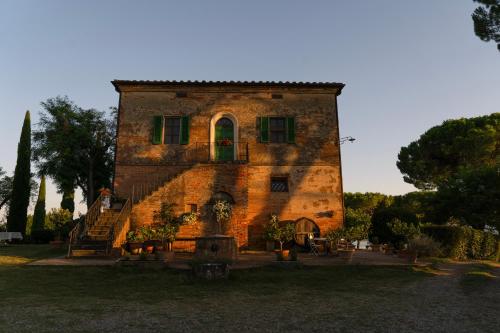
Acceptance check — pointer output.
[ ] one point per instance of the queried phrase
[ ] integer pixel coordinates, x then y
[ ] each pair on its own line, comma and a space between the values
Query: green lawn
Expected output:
330, 299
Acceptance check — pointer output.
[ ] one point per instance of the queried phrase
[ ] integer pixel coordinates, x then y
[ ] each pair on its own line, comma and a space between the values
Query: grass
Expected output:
336, 298
25, 253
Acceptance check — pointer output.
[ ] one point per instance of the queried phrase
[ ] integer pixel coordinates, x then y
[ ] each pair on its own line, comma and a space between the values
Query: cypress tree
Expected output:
39, 212
18, 210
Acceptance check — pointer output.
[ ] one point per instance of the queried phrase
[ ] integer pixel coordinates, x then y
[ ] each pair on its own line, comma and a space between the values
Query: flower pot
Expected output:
282, 255
135, 247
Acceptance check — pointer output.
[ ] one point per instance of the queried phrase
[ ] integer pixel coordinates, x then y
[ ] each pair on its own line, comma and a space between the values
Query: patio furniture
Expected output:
324, 242
312, 244
9, 236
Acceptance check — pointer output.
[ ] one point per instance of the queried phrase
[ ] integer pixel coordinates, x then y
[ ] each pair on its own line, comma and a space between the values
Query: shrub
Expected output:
42, 236
425, 246
463, 242
380, 223
274, 232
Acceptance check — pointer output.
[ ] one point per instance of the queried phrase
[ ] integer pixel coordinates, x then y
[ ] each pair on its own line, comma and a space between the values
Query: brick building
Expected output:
267, 147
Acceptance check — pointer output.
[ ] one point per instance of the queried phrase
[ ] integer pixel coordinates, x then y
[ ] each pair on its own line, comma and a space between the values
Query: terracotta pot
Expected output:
282, 255
149, 248
135, 247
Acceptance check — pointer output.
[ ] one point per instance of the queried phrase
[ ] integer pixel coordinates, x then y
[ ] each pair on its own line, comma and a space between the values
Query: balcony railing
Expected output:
223, 151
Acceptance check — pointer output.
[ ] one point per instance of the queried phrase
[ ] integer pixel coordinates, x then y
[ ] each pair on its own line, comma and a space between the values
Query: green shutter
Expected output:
184, 130
157, 130
264, 129
290, 129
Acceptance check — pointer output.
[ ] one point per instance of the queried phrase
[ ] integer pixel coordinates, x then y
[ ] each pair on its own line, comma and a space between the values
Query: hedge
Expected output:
464, 242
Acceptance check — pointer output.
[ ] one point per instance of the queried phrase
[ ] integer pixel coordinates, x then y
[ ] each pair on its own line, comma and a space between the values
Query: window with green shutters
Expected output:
171, 130
157, 130
184, 130
277, 129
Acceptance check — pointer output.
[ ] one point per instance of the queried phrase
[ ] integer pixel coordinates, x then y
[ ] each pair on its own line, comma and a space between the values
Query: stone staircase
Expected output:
95, 241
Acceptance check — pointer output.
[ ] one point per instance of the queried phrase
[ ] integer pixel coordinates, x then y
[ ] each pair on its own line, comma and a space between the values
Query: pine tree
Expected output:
21, 187
39, 213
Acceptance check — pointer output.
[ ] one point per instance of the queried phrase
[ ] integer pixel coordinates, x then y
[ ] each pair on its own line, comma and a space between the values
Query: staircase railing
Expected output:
118, 231
91, 218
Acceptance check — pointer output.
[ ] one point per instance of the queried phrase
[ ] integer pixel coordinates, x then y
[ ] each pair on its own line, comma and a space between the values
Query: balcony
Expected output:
223, 151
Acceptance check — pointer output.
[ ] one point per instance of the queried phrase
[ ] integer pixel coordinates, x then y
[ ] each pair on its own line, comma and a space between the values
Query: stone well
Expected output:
216, 248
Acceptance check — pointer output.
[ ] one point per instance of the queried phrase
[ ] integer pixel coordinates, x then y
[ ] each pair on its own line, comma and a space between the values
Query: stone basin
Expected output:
216, 248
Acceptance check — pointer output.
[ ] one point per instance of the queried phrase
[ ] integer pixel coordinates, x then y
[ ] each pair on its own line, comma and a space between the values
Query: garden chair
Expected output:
312, 244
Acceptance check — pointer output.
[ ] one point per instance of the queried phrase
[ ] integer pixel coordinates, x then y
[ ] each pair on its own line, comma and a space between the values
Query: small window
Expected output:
181, 94
277, 130
193, 208
277, 96
279, 184
172, 130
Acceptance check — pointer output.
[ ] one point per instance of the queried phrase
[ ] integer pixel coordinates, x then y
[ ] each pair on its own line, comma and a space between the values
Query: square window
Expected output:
277, 130
279, 184
193, 208
172, 130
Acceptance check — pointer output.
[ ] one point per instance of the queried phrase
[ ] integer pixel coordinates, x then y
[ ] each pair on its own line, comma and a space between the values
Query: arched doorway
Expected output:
224, 139
303, 228
224, 125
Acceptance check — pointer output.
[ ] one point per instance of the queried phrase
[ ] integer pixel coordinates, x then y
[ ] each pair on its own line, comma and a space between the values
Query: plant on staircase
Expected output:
223, 211
189, 218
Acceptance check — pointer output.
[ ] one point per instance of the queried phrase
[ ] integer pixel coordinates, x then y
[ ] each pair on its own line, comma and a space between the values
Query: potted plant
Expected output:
334, 236
134, 242
189, 218
148, 235
166, 233
223, 211
282, 234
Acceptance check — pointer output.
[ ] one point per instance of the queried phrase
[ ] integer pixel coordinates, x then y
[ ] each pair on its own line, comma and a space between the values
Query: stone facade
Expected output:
189, 174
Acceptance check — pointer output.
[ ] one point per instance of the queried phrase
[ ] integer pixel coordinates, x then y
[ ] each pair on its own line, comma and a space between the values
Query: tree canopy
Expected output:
444, 150
486, 20
74, 146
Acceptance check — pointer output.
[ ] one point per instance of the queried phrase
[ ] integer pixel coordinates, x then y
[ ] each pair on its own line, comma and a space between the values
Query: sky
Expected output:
407, 65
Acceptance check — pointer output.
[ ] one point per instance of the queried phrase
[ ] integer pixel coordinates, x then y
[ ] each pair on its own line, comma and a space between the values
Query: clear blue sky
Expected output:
408, 65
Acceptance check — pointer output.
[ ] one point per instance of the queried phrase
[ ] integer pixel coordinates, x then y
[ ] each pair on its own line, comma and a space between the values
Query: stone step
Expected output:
88, 253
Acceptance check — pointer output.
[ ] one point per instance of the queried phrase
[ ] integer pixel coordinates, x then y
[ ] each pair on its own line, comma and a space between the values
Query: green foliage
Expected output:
74, 147
404, 230
68, 199
166, 214
21, 184
39, 212
134, 236
486, 20
424, 245
473, 196
366, 202
60, 221
444, 150
222, 210
273, 231
357, 224
380, 223
5, 188
189, 218
463, 242
167, 233
335, 235
167, 223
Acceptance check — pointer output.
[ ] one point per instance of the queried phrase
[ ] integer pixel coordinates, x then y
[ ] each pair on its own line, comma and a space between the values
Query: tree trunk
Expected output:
90, 186
5, 200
